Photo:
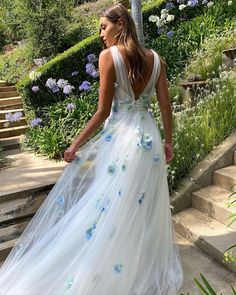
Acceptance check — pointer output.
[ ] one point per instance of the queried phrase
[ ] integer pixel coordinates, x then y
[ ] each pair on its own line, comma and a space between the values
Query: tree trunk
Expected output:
136, 12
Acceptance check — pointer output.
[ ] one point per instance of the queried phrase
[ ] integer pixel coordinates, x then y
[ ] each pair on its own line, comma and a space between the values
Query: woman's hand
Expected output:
69, 154
168, 152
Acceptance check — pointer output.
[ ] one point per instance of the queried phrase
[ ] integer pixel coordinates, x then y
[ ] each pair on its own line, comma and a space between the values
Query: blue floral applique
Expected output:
141, 197
90, 231
102, 205
156, 158
124, 165
145, 141
60, 202
111, 169
115, 105
105, 204
69, 282
118, 268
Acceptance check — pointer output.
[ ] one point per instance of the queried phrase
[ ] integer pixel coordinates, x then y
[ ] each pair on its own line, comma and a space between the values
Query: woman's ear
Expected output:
120, 23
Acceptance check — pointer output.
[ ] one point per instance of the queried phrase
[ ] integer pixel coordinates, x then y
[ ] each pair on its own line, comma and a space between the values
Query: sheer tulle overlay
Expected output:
105, 228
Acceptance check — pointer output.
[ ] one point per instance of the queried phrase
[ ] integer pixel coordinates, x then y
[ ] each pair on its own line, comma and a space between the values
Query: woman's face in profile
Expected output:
108, 31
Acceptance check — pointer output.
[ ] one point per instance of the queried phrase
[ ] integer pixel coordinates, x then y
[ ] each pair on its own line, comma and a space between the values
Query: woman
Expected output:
106, 228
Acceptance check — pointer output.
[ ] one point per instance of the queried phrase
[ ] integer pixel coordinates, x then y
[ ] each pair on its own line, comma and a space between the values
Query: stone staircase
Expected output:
10, 101
204, 224
15, 213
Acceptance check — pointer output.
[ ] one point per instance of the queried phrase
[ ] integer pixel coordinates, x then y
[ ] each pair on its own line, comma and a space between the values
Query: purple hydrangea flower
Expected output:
89, 68
160, 31
68, 88
193, 3
91, 58
169, 5
170, 34
13, 117
75, 73
52, 84
94, 73
85, 86
36, 121
62, 83
70, 107
35, 88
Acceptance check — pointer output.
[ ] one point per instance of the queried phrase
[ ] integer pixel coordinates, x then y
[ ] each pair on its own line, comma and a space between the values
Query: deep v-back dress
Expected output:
105, 228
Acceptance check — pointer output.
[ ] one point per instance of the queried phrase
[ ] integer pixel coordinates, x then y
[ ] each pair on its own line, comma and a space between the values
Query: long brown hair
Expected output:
127, 39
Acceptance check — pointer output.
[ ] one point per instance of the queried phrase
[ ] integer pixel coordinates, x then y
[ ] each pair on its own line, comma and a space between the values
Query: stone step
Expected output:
21, 207
7, 88
10, 100
12, 232
10, 142
6, 247
8, 94
10, 107
210, 235
13, 131
213, 200
3, 83
4, 112
225, 178
22, 121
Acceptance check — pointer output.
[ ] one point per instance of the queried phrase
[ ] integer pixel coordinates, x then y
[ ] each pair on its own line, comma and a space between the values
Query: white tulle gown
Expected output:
105, 228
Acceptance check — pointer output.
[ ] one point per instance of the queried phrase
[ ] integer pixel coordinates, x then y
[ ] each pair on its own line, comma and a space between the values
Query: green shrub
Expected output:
44, 23
15, 65
208, 60
202, 127
80, 28
189, 36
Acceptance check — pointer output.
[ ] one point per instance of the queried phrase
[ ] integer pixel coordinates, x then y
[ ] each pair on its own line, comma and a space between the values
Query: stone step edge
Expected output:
11, 195
203, 243
222, 173
6, 247
213, 208
19, 208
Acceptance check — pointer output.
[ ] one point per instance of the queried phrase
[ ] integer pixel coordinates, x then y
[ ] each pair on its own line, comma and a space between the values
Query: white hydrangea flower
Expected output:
160, 23
182, 6
170, 17
153, 18
210, 4
164, 11
163, 16
230, 3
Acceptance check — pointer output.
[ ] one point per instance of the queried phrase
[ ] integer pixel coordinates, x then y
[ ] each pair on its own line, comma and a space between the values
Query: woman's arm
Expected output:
166, 111
106, 93
164, 103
